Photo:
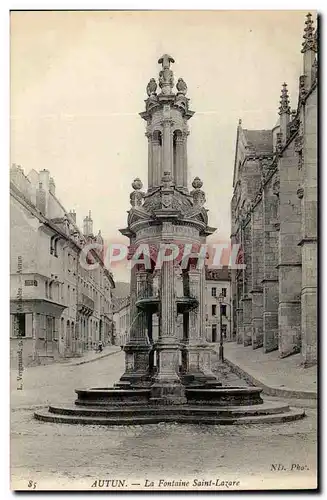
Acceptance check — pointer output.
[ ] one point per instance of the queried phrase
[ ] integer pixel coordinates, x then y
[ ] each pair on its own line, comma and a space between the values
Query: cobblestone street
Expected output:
73, 457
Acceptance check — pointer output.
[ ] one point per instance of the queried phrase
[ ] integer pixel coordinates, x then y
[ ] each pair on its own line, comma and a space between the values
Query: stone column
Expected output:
239, 307
289, 265
308, 197
206, 350
270, 272
193, 352
247, 284
257, 275
197, 348
179, 174
156, 160
168, 304
150, 165
167, 387
137, 348
167, 148
239, 319
185, 160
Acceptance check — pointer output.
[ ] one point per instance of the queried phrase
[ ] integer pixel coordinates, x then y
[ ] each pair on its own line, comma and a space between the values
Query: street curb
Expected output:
270, 391
94, 359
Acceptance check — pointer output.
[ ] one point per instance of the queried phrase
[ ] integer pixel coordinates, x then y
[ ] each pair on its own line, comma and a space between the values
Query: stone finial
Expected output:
198, 195
197, 183
309, 36
151, 87
166, 76
136, 196
137, 184
284, 101
167, 180
239, 122
165, 60
181, 86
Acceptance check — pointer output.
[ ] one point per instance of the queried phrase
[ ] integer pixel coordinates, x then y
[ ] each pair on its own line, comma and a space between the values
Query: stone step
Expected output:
292, 414
264, 409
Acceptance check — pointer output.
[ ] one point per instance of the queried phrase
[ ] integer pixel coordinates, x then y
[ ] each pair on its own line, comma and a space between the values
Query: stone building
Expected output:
121, 320
59, 305
218, 304
274, 218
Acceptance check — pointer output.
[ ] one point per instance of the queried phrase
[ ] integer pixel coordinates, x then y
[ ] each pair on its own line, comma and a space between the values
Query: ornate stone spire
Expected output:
166, 76
309, 36
284, 101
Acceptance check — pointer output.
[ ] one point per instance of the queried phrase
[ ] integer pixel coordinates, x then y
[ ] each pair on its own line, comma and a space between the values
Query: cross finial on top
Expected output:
165, 60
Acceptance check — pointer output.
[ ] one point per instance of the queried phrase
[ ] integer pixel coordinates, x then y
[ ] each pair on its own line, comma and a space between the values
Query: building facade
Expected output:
60, 294
218, 305
121, 320
274, 219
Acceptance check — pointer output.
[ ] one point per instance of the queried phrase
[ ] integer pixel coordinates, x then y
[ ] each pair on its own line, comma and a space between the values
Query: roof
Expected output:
260, 140
119, 303
222, 274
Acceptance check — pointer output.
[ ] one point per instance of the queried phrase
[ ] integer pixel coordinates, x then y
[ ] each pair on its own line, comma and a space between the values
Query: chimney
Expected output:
72, 215
88, 225
44, 180
52, 186
85, 226
41, 199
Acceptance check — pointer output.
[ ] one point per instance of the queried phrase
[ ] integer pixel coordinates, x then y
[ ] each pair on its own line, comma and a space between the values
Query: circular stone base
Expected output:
184, 414
217, 406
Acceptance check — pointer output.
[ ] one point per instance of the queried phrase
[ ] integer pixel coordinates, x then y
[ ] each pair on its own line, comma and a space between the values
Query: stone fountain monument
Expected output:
168, 378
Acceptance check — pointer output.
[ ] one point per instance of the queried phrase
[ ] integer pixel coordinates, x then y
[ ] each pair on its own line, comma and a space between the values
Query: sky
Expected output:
78, 84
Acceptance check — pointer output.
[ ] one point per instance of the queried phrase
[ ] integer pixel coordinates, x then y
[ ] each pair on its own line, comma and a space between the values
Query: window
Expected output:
224, 330
20, 322
214, 333
223, 310
224, 292
46, 289
214, 292
213, 310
